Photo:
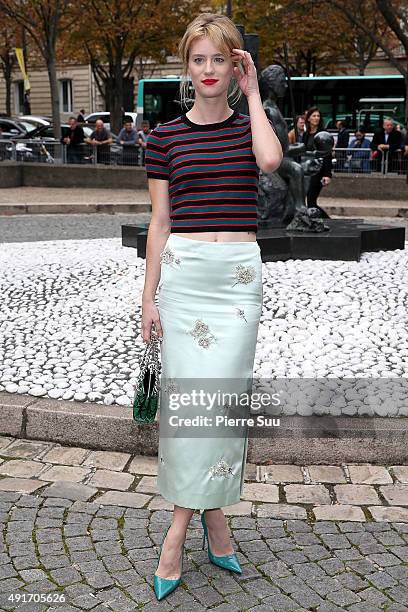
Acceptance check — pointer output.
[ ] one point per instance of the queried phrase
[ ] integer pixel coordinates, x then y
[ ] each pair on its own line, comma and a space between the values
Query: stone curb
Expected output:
367, 211
298, 440
74, 208
356, 210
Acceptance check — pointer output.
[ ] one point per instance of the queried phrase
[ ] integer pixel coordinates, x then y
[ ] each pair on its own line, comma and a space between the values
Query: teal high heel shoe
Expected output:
165, 586
229, 562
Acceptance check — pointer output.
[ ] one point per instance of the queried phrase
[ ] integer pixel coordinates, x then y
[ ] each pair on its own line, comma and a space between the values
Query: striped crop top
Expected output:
212, 173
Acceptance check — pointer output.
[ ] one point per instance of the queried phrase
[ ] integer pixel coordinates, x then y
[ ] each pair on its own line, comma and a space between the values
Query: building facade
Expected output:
77, 89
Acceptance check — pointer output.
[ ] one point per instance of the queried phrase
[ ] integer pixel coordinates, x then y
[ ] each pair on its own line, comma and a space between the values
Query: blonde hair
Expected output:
225, 36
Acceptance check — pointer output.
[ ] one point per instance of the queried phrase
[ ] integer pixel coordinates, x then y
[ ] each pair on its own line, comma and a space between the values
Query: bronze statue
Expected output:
282, 193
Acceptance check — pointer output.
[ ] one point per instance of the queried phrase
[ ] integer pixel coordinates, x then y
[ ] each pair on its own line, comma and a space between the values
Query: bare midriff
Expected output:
219, 236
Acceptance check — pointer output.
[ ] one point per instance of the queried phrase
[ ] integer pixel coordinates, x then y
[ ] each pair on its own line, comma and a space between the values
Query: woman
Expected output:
202, 169
314, 124
358, 152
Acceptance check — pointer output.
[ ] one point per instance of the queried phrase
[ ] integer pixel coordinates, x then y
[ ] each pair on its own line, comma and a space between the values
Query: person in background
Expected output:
142, 139
81, 116
101, 139
404, 149
404, 133
128, 138
300, 124
74, 141
314, 124
343, 135
405, 142
387, 138
27, 103
358, 154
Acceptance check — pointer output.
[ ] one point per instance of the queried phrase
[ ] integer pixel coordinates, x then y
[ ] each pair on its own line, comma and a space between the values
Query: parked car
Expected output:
47, 131
11, 128
34, 120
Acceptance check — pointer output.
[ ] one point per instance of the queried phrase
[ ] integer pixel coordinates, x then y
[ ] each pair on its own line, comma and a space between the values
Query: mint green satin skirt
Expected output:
210, 302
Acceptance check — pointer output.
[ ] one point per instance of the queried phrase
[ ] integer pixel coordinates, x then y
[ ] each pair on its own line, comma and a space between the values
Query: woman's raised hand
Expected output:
247, 80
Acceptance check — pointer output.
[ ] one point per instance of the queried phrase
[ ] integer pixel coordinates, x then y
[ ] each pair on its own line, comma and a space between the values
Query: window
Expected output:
19, 97
65, 95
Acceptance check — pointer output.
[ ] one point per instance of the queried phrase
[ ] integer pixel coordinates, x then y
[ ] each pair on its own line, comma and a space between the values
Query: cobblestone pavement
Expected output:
81, 530
35, 228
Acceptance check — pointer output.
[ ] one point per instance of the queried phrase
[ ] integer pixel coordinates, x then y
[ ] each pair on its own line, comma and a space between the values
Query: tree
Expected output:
357, 48
319, 37
42, 20
394, 15
125, 32
313, 41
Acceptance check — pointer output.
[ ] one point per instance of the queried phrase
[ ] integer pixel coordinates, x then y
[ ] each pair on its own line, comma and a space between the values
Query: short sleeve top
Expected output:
211, 170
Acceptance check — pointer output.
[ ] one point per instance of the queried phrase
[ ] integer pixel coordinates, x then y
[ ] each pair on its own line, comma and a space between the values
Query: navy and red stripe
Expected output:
211, 170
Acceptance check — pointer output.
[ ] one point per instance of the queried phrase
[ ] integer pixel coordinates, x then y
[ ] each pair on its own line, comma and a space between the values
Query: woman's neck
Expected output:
210, 111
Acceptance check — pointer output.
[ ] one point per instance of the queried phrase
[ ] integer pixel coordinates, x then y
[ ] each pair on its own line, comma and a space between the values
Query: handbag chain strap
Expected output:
150, 360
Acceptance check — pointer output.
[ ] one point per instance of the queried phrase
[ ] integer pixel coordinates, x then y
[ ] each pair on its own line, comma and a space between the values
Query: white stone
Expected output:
11, 388
56, 393
37, 391
123, 400
68, 394
80, 397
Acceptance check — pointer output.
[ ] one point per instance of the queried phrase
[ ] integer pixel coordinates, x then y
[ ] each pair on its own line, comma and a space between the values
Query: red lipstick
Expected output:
209, 81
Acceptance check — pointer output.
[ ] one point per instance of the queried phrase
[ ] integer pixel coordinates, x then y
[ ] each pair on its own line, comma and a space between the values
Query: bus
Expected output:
338, 97
158, 100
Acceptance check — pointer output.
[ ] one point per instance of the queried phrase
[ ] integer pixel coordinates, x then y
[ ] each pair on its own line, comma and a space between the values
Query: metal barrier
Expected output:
366, 161
345, 161
54, 152
355, 161
397, 162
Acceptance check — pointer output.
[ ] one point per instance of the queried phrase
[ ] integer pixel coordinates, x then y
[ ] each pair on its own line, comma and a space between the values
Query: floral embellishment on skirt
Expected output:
244, 274
201, 332
168, 256
241, 314
221, 468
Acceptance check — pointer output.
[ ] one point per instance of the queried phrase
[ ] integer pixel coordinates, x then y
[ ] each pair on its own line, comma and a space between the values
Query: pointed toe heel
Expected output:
165, 586
229, 562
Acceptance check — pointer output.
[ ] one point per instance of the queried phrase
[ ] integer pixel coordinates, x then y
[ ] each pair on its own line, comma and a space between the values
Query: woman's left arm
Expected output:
265, 143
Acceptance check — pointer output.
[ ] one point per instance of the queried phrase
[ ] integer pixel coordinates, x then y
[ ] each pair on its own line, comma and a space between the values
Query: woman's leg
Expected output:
170, 558
218, 532
314, 190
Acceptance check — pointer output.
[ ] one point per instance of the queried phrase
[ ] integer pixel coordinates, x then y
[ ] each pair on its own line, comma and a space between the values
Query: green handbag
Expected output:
146, 400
